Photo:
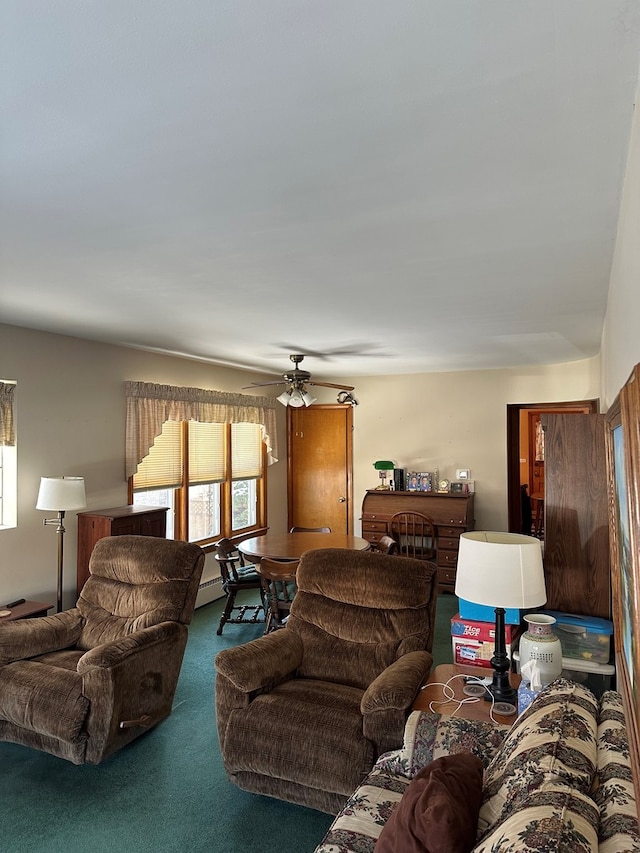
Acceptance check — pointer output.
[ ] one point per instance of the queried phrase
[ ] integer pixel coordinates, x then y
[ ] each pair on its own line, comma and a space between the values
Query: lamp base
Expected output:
500, 689
500, 706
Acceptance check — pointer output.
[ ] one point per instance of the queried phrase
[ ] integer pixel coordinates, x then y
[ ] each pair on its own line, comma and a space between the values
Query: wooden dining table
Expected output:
291, 546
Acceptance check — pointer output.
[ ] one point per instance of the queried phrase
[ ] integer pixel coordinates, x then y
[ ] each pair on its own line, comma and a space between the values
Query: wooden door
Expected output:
576, 521
319, 469
519, 421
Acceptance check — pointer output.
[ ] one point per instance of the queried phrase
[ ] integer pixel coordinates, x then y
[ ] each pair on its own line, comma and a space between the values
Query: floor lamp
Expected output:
500, 570
60, 494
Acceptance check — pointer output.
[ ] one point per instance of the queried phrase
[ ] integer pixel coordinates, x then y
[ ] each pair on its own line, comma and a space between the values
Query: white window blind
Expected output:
162, 467
246, 451
207, 463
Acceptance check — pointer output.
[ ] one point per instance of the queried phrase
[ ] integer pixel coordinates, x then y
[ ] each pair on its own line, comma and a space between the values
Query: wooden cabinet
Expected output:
576, 520
451, 515
98, 523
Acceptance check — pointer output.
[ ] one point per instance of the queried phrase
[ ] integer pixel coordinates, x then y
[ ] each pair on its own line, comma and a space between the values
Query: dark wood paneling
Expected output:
576, 547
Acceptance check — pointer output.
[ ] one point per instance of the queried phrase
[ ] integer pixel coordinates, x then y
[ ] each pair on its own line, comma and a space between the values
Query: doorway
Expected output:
525, 461
319, 467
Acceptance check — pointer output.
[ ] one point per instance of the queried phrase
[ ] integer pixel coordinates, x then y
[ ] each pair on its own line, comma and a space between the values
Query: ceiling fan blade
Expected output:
359, 349
331, 385
263, 384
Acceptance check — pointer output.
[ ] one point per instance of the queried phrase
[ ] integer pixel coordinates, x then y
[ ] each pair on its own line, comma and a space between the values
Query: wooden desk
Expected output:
472, 710
451, 515
291, 546
27, 610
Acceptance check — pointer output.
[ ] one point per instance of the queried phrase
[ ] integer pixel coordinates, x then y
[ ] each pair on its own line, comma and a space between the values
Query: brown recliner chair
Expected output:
85, 682
304, 712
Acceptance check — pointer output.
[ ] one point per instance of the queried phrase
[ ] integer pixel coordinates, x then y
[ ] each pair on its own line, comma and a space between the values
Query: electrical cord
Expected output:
449, 694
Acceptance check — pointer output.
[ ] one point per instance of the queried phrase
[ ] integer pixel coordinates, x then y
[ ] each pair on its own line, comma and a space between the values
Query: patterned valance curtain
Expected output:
150, 405
7, 432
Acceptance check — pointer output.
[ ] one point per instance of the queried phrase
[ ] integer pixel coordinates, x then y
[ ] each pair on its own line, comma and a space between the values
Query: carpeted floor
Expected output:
167, 791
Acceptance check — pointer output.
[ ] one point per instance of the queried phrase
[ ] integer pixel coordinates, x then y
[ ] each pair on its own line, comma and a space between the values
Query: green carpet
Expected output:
167, 790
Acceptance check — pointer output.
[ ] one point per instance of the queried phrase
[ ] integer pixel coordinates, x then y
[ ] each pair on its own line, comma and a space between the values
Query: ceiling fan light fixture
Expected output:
296, 397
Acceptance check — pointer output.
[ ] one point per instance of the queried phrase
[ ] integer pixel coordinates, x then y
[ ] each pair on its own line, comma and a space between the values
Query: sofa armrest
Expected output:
262, 662
115, 652
398, 685
26, 638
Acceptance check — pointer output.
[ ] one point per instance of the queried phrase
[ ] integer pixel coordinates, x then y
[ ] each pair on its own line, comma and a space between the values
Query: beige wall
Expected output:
621, 336
455, 420
70, 420
70, 415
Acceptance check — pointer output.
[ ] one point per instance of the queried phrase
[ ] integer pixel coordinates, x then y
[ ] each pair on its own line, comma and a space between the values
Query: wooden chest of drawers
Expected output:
451, 515
119, 521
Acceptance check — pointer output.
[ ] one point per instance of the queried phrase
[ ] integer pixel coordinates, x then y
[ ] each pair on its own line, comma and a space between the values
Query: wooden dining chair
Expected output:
237, 576
415, 534
279, 585
310, 530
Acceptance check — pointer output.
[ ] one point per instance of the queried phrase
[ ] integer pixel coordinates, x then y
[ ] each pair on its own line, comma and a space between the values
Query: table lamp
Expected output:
500, 570
383, 465
60, 494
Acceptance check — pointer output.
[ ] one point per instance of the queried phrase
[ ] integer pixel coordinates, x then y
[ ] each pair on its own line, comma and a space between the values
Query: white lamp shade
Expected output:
61, 493
500, 570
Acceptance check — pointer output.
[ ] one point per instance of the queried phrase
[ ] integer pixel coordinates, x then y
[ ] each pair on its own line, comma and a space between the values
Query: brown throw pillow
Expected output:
438, 813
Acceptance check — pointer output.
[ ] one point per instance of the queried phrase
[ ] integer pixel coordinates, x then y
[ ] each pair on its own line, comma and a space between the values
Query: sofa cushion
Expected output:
553, 817
552, 744
360, 822
439, 809
613, 789
428, 736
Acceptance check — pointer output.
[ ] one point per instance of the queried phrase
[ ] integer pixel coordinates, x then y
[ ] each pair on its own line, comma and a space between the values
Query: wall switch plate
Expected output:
463, 474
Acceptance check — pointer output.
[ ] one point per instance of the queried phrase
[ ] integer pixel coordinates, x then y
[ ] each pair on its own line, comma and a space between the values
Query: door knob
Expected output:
341, 500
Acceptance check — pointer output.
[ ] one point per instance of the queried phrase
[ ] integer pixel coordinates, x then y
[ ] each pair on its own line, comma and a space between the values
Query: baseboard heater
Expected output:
209, 590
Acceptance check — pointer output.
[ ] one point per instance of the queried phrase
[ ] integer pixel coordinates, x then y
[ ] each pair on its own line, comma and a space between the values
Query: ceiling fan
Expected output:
297, 380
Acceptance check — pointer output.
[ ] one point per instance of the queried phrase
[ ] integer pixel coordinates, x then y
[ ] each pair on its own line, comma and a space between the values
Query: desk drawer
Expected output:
448, 543
373, 538
447, 577
374, 526
447, 558
450, 532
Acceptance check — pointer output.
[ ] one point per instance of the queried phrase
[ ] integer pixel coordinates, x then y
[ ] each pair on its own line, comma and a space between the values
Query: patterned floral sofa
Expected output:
558, 780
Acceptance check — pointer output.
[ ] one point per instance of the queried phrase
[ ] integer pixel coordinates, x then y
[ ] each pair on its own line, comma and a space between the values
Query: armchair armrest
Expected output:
115, 652
26, 638
397, 686
387, 701
261, 662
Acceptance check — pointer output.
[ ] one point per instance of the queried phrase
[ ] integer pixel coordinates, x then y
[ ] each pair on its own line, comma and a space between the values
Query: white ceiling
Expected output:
433, 183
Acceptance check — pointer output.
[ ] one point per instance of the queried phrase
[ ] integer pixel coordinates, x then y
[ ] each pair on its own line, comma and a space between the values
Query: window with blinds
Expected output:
212, 475
163, 467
